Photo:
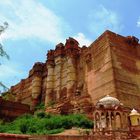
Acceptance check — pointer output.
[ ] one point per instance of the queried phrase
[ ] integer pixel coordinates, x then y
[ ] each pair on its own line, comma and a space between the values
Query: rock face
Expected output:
74, 78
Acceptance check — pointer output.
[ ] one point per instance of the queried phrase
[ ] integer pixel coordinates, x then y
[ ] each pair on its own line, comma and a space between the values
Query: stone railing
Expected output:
5, 136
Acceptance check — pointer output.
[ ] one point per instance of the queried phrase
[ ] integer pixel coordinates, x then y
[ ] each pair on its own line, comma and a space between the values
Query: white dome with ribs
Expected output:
108, 102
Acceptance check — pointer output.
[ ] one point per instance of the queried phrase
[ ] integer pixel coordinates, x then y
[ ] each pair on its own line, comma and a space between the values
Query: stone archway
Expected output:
103, 121
118, 120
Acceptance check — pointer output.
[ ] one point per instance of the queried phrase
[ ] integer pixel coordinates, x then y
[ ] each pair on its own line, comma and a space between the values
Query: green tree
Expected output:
2, 52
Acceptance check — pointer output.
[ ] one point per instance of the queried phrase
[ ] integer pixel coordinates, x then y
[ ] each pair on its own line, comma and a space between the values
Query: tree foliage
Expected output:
2, 30
45, 124
2, 51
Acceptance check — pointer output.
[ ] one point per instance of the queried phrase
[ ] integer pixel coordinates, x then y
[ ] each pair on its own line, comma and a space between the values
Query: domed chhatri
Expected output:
134, 112
134, 118
108, 102
109, 114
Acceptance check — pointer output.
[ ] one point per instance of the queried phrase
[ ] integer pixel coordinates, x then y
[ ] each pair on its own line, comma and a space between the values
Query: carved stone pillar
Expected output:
57, 76
110, 120
50, 83
36, 89
50, 76
36, 83
121, 119
103, 121
71, 76
72, 53
113, 122
94, 129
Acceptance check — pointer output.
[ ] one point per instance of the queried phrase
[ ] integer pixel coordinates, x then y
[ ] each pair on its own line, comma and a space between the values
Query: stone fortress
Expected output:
74, 78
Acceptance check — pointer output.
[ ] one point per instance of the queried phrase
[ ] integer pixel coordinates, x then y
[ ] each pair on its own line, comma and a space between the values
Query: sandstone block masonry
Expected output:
74, 78
10, 110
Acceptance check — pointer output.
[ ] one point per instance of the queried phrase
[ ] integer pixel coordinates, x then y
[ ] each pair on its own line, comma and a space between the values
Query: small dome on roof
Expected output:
108, 102
134, 112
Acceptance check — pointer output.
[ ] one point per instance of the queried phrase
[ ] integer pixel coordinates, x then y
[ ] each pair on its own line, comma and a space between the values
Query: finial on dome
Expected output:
133, 110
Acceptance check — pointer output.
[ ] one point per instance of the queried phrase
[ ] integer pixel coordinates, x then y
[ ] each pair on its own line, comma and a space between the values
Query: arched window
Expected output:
97, 116
138, 120
103, 121
118, 120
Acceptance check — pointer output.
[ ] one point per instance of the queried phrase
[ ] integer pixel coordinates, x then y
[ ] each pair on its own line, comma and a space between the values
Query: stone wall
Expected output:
117, 135
10, 110
126, 69
6, 136
70, 138
99, 70
29, 90
73, 77
61, 79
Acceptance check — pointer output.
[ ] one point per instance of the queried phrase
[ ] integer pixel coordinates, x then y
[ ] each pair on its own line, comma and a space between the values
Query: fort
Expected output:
102, 81
74, 78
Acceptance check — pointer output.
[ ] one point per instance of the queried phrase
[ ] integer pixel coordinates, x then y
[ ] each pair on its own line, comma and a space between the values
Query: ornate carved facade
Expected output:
74, 78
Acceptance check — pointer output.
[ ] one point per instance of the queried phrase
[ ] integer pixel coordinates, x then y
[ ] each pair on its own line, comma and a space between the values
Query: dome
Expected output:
108, 102
134, 112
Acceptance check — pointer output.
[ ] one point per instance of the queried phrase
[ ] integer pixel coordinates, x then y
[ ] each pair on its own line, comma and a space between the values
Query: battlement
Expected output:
132, 40
71, 47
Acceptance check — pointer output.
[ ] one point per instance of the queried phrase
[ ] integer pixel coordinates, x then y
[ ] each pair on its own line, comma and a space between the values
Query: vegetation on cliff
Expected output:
42, 123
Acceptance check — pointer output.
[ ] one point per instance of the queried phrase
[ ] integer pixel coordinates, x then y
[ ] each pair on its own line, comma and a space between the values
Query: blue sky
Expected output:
36, 26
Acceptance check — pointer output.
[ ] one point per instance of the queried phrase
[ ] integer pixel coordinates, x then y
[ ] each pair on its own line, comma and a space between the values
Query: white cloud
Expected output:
10, 73
8, 70
102, 19
80, 37
29, 22
138, 22
29, 18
